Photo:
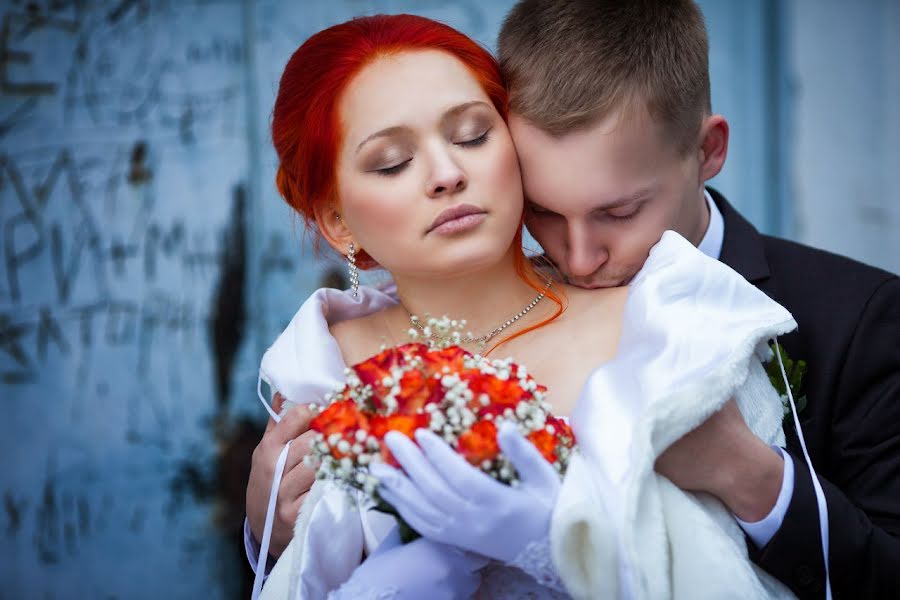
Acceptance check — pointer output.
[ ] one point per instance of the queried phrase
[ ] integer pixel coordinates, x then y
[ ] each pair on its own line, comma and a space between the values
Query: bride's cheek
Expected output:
378, 213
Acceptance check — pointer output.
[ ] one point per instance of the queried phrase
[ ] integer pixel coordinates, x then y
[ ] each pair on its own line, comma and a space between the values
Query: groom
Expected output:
611, 116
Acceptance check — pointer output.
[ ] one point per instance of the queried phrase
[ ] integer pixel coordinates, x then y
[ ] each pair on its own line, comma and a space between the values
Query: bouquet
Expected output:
461, 396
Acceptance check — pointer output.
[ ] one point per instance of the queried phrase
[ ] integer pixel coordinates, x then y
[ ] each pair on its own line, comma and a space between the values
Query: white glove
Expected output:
448, 500
420, 569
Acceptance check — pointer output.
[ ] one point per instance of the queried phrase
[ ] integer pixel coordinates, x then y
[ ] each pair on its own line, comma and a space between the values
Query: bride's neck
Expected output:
485, 298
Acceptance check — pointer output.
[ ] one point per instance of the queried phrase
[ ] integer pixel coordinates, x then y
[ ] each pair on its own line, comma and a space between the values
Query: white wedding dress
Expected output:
694, 335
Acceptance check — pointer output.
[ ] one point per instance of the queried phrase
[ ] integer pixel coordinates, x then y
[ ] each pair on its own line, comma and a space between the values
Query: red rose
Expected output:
561, 428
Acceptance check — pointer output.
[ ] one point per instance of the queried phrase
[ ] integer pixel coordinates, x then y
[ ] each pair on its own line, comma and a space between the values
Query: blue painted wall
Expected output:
146, 261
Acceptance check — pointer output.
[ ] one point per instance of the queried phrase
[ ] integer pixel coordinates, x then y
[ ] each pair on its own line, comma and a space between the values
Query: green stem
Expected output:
407, 533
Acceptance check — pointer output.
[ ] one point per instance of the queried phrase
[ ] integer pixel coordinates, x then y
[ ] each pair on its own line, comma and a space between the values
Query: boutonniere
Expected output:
795, 370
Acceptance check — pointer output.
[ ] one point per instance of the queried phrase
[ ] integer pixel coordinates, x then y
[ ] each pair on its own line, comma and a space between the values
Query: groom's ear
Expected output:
333, 228
713, 146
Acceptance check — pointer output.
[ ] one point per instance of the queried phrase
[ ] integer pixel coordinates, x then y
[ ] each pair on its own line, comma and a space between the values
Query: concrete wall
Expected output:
123, 179
146, 261
845, 62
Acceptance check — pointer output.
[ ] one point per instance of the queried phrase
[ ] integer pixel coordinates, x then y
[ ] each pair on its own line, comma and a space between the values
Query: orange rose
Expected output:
340, 417
372, 370
405, 424
453, 358
479, 443
416, 390
545, 442
502, 394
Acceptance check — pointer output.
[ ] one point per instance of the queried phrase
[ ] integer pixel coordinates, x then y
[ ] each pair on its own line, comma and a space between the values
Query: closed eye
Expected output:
481, 139
632, 213
539, 211
387, 171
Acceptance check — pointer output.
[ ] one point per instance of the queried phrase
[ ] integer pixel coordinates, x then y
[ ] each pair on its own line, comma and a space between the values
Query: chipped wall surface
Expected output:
146, 263
123, 178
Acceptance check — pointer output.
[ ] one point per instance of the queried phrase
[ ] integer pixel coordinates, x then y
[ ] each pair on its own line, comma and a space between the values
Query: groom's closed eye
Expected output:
623, 213
539, 210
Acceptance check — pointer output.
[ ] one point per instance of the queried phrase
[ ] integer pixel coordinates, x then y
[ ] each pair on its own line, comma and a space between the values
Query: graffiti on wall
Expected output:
134, 230
122, 274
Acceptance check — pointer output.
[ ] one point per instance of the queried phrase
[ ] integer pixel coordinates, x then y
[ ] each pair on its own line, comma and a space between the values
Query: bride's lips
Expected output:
457, 218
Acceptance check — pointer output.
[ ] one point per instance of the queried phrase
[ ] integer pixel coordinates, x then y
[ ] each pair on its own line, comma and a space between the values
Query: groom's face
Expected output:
598, 199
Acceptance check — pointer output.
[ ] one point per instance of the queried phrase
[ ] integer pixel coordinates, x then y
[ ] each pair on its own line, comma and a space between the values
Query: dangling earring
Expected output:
354, 270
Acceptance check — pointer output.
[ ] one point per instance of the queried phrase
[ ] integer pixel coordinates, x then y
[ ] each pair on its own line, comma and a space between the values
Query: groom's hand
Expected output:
295, 482
722, 457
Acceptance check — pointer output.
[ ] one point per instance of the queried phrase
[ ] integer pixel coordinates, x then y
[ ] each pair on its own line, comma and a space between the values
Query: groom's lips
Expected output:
599, 285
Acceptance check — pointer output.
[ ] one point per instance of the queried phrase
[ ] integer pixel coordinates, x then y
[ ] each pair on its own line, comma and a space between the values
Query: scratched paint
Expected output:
122, 192
145, 263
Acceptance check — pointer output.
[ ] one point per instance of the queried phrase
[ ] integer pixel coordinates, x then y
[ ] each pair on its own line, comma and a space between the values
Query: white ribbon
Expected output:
820, 495
273, 499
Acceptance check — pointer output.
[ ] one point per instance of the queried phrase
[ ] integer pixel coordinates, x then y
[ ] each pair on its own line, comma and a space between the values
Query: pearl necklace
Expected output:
484, 339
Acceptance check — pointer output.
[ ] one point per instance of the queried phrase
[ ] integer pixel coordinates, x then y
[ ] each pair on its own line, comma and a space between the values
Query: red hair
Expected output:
306, 129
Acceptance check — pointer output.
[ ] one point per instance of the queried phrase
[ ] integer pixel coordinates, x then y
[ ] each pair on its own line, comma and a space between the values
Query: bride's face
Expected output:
428, 179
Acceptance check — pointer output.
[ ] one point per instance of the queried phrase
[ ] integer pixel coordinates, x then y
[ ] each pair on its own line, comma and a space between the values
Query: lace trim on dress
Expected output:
535, 560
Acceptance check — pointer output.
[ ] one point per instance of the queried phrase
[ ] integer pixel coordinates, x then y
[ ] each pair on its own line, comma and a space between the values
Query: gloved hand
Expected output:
448, 500
420, 569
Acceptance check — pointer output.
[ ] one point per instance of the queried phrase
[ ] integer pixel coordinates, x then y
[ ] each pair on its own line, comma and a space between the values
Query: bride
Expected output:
391, 138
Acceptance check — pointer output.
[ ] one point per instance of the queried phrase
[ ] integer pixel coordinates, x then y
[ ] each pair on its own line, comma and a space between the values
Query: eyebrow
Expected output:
389, 131
636, 197
624, 201
398, 129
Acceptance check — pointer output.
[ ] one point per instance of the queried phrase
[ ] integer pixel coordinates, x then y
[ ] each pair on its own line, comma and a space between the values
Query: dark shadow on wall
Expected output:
224, 484
229, 313
221, 480
231, 487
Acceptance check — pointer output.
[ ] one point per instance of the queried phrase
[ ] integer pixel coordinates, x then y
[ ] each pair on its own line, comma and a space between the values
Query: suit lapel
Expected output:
744, 250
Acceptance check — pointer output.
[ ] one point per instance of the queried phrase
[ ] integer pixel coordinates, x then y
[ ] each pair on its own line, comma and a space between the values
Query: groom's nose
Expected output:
583, 255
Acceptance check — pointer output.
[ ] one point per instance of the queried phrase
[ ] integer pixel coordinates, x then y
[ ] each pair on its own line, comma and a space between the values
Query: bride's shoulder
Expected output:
581, 301
361, 337
353, 329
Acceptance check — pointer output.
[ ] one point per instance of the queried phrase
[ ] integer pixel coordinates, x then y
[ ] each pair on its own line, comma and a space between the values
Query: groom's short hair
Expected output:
569, 63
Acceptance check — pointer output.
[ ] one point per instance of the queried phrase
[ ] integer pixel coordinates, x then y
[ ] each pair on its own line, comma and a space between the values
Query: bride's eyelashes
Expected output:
470, 143
387, 171
481, 139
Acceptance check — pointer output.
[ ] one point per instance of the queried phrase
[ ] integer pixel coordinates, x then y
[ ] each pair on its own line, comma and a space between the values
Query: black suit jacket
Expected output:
848, 317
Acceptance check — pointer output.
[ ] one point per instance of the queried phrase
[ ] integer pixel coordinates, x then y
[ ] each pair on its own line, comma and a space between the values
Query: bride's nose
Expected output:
446, 177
